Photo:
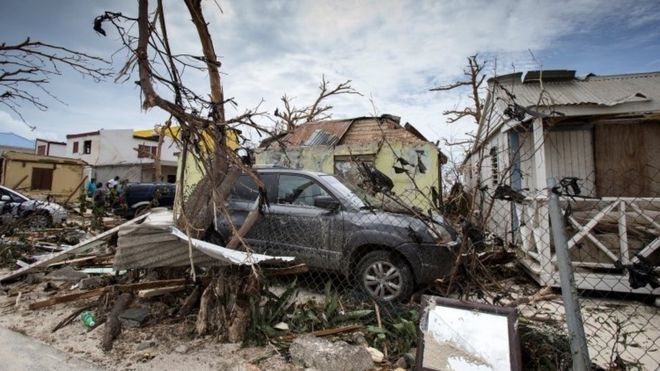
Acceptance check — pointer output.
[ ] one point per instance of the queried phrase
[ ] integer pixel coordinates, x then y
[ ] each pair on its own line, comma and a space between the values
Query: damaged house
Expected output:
602, 130
343, 147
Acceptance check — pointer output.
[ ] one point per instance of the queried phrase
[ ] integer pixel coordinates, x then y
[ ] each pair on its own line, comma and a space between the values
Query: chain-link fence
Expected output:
613, 233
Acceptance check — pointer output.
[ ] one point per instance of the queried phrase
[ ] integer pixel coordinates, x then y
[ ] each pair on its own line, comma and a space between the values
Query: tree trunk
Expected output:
225, 304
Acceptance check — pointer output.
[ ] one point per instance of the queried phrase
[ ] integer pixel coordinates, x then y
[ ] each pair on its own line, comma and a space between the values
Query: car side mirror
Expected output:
5, 198
326, 202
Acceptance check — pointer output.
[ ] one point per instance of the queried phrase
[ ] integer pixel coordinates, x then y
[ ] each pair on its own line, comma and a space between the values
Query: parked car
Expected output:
137, 198
320, 220
18, 208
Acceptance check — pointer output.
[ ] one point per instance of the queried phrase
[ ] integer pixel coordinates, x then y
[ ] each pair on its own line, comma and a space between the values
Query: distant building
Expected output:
13, 142
47, 147
41, 176
124, 153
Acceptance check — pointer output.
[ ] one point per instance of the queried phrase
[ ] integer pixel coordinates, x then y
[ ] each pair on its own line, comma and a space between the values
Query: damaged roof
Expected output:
562, 88
349, 131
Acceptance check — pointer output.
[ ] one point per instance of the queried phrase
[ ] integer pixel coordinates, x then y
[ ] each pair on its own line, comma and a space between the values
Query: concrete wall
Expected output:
115, 147
131, 172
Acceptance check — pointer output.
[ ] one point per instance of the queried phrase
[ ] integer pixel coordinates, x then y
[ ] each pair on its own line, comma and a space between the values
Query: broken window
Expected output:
494, 166
42, 178
87, 147
75, 147
298, 190
348, 167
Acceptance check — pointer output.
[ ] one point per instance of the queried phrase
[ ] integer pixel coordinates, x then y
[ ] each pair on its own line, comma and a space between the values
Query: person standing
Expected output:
91, 188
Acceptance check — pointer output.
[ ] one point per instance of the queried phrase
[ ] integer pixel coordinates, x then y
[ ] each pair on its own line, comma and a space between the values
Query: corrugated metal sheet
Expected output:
596, 90
155, 243
320, 137
304, 132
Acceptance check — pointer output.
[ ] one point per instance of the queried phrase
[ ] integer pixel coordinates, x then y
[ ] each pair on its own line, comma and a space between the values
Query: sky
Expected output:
393, 51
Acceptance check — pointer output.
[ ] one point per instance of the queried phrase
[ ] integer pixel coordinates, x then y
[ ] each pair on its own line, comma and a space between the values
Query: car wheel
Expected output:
39, 220
385, 276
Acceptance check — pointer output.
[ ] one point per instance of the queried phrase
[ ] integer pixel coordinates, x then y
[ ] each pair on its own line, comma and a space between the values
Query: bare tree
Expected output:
27, 67
200, 115
291, 116
474, 80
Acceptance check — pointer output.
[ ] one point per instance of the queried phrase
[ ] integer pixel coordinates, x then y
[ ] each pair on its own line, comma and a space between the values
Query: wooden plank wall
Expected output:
570, 153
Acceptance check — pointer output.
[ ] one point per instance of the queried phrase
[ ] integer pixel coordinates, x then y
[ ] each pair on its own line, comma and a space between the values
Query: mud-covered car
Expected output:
137, 198
18, 208
321, 221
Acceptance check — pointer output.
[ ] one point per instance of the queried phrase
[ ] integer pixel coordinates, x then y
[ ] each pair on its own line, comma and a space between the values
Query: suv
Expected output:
137, 198
318, 219
16, 207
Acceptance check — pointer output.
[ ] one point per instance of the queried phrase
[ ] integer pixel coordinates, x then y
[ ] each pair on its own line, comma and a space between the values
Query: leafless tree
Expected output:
474, 80
200, 115
291, 116
27, 67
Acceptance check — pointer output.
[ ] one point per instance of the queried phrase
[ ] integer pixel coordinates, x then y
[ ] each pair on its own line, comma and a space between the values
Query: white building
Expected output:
47, 147
124, 153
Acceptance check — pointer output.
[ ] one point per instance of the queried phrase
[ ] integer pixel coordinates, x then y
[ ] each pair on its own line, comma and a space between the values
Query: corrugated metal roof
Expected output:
320, 137
595, 90
13, 140
304, 133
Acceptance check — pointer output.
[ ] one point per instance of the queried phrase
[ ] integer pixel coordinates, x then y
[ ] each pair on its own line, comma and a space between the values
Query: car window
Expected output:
298, 190
14, 197
246, 189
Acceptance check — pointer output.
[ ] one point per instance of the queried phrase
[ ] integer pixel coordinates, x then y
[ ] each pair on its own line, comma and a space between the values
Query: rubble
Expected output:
324, 355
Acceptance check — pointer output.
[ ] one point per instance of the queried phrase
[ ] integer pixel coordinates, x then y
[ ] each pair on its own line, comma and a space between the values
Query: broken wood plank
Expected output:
113, 326
87, 244
101, 290
71, 317
20, 181
152, 293
75, 190
326, 332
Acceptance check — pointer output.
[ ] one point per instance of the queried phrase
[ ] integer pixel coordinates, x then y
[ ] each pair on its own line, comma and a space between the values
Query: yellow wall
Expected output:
321, 158
66, 178
194, 170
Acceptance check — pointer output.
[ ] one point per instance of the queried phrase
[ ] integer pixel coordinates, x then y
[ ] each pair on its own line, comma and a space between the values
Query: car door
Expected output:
10, 209
300, 228
241, 201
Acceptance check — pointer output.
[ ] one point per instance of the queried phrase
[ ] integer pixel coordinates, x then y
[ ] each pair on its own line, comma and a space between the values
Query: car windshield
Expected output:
356, 196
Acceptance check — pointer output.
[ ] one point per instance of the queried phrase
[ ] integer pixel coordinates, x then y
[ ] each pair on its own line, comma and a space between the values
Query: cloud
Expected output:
12, 125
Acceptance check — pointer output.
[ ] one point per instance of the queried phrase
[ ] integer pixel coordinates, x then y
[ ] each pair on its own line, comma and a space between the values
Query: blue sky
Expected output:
394, 51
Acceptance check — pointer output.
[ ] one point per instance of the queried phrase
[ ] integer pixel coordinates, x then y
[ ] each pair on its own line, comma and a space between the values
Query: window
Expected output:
75, 147
87, 147
298, 190
494, 166
145, 151
245, 189
42, 178
41, 150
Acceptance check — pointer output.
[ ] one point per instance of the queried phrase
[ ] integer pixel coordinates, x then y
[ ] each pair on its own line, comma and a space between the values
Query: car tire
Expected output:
385, 276
39, 220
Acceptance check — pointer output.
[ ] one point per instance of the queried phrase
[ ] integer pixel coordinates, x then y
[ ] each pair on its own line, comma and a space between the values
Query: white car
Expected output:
16, 207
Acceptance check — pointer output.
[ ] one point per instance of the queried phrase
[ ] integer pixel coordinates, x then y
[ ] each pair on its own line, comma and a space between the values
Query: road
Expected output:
19, 352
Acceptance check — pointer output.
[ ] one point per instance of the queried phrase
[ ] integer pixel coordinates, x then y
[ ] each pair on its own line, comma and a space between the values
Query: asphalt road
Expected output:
19, 352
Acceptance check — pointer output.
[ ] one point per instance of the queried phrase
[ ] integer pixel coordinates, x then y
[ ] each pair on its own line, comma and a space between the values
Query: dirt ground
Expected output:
151, 347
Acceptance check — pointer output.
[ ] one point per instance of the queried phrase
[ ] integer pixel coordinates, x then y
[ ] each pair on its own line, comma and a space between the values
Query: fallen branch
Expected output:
101, 290
544, 293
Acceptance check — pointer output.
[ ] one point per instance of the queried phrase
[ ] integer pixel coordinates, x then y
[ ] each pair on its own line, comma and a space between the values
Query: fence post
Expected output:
579, 350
